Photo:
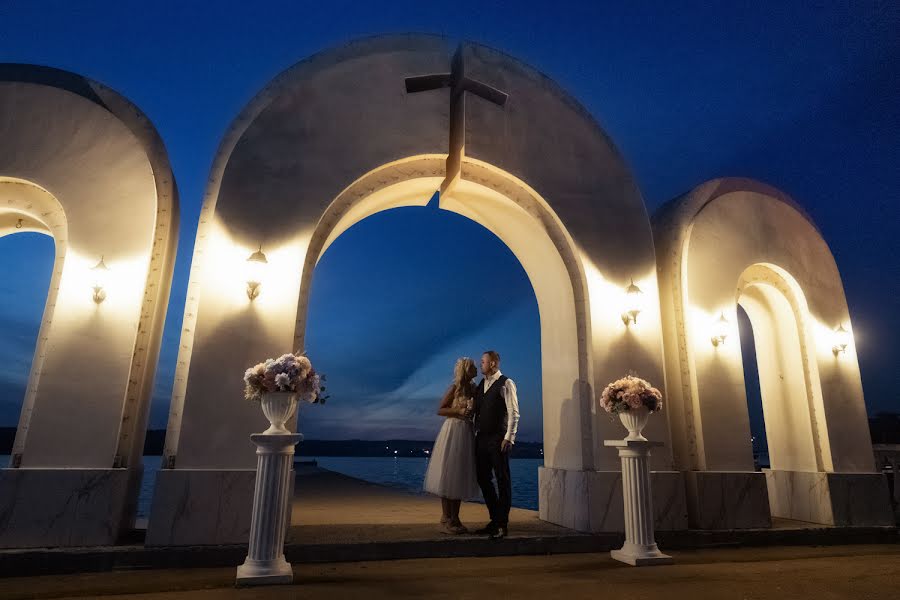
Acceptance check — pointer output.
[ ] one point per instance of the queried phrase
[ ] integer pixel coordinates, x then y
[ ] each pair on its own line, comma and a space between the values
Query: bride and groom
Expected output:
472, 448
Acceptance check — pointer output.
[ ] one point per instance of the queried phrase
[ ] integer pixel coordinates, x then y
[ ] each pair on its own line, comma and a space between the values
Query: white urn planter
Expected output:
634, 420
278, 408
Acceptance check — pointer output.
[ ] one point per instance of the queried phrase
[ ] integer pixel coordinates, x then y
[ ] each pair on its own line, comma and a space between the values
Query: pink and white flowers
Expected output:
287, 373
630, 393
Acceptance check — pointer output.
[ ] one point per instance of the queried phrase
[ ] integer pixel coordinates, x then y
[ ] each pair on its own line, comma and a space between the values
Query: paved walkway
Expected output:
837, 572
333, 508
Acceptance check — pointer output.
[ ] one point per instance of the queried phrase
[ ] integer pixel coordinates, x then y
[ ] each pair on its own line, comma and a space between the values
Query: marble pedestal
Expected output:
591, 501
640, 547
727, 500
844, 499
66, 507
265, 563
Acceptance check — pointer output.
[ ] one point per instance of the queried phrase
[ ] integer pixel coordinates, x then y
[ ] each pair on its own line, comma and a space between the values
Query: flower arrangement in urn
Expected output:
633, 399
277, 383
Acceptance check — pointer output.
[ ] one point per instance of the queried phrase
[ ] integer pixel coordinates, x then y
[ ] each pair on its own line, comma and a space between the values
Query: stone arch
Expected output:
83, 164
313, 152
738, 239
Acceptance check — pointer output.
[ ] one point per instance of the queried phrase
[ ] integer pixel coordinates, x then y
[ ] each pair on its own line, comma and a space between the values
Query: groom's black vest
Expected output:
490, 408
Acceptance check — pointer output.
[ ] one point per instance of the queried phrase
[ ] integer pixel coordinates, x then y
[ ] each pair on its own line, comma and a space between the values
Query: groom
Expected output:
496, 421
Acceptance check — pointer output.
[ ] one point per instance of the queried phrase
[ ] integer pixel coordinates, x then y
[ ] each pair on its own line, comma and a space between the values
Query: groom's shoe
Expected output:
489, 529
499, 533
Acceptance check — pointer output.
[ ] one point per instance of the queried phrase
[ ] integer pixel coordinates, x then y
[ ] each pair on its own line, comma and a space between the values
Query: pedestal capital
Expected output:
275, 442
632, 444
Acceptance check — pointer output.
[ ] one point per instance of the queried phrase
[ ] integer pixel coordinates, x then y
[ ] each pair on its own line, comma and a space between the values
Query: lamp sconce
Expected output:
720, 332
841, 340
256, 265
19, 224
100, 274
635, 297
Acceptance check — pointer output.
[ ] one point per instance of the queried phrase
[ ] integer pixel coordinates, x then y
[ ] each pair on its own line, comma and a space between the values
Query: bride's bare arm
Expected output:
446, 408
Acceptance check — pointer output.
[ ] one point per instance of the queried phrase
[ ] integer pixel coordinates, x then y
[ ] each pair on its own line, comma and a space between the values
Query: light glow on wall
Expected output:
228, 272
704, 326
85, 284
721, 330
832, 343
615, 303
841, 340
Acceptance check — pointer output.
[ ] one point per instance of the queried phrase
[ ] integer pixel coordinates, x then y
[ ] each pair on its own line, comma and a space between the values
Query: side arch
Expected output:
738, 240
113, 197
705, 241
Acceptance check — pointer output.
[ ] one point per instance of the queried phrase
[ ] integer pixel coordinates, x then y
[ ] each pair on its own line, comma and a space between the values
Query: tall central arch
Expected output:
380, 123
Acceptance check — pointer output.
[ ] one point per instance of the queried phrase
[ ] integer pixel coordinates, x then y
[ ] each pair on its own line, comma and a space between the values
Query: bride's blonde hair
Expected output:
462, 383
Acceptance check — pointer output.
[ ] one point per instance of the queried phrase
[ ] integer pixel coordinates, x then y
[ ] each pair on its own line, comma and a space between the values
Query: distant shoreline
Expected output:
153, 446
884, 429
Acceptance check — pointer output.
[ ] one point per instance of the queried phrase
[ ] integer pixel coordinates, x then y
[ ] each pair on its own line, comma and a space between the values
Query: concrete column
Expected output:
640, 545
265, 563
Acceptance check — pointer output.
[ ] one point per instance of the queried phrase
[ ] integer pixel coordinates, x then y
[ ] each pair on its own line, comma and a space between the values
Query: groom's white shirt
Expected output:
512, 404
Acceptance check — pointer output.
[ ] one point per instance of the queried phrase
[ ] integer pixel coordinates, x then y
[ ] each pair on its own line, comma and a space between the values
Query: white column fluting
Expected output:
640, 544
265, 563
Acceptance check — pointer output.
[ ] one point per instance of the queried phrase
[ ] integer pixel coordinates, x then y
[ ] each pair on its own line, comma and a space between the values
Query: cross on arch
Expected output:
459, 84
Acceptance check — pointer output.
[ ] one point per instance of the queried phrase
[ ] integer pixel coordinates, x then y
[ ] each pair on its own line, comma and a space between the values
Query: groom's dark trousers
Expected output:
491, 463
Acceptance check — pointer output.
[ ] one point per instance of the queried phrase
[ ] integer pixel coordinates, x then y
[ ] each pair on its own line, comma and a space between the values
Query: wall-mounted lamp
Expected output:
634, 298
841, 340
100, 275
19, 224
256, 267
720, 330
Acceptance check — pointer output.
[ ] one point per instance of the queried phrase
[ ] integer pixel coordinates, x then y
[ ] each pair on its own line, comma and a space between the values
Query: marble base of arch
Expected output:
727, 500
66, 507
841, 499
196, 507
592, 501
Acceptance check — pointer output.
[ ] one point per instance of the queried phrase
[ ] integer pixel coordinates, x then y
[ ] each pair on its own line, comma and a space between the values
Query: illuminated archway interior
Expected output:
528, 239
789, 385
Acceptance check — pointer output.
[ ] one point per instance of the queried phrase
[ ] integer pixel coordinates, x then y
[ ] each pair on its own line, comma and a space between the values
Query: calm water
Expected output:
409, 473
401, 473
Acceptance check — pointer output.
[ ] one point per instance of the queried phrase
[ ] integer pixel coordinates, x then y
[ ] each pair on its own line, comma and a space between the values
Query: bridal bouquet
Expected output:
287, 373
630, 393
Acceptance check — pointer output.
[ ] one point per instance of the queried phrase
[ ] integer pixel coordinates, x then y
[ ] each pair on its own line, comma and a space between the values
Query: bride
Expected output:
451, 468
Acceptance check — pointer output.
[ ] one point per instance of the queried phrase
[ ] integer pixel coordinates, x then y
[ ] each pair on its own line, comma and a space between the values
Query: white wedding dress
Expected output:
451, 468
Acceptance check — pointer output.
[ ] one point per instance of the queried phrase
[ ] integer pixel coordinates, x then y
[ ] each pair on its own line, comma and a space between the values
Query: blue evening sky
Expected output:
804, 97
